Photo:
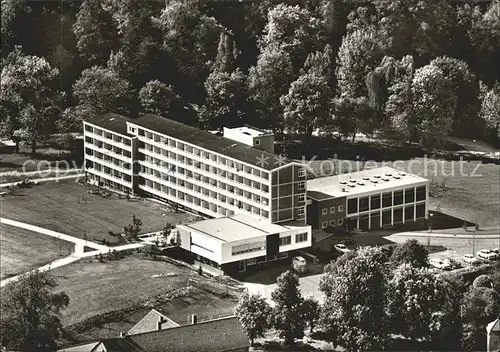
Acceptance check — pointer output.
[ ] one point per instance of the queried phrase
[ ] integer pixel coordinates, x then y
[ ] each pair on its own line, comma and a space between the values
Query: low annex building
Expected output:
367, 199
231, 244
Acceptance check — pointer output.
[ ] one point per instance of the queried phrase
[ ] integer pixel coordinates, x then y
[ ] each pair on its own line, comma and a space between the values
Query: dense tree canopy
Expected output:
355, 291
419, 303
29, 100
30, 313
389, 65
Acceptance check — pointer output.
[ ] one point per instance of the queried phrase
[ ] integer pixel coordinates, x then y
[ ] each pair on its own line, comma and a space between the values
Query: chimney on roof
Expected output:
160, 322
194, 319
122, 334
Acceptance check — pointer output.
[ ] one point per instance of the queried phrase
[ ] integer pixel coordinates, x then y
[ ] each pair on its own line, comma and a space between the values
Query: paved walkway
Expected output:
62, 236
47, 179
76, 255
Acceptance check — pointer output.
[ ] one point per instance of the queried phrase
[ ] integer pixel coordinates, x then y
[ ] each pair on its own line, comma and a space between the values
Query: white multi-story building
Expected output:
193, 169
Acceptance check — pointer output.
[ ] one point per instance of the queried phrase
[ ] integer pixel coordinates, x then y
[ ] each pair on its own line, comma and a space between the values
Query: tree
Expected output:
139, 57
480, 305
422, 30
306, 106
287, 316
490, 109
158, 98
30, 313
411, 252
399, 105
101, 89
359, 54
227, 54
482, 30
355, 289
419, 303
483, 281
29, 97
352, 115
226, 100
253, 312
434, 103
268, 81
95, 32
132, 230
311, 312
466, 89
380, 79
191, 39
293, 29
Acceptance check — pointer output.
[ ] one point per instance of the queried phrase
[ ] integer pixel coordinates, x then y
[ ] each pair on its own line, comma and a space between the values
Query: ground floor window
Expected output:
283, 255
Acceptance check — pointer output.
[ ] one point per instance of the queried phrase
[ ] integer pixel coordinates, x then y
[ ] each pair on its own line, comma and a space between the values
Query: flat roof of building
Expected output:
365, 181
236, 228
209, 141
249, 131
113, 122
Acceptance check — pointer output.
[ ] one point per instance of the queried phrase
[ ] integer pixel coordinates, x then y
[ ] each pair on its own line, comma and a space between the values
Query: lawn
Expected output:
127, 286
48, 154
55, 206
22, 250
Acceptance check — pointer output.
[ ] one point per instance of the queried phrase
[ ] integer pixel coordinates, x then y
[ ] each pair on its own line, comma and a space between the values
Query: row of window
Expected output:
108, 159
108, 147
248, 248
172, 143
111, 172
202, 202
206, 191
324, 211
388, 199
204, 168
389, 217
111, 136
332, 223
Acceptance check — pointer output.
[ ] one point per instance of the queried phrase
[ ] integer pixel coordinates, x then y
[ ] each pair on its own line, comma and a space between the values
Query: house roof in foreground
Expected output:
218, 335
360, 182
150, 323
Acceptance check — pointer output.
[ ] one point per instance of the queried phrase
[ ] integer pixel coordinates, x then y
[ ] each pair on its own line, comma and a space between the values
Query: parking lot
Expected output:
457, 245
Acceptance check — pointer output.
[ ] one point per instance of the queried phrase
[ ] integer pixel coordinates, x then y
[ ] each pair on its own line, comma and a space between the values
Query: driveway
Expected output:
264, 282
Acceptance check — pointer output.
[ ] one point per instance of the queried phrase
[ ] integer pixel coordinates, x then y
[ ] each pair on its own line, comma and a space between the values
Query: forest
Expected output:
423, 70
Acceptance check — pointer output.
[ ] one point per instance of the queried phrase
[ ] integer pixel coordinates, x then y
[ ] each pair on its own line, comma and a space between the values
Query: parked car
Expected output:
299, 264
469, 258
440, 264
496, 250
453, 263
487, 254
341, 248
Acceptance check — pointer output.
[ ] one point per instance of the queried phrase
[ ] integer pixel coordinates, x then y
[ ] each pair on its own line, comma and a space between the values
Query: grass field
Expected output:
472, 189
98, 288
54, 205
22, 250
